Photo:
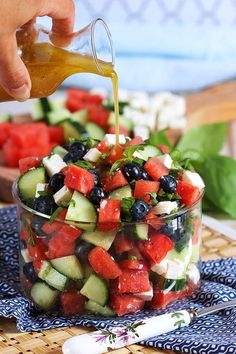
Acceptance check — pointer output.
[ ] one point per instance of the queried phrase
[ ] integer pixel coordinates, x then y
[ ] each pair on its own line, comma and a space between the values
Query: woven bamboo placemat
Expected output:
214, 246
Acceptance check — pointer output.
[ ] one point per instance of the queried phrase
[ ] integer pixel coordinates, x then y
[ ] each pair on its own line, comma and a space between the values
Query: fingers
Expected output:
14, 77
62, 13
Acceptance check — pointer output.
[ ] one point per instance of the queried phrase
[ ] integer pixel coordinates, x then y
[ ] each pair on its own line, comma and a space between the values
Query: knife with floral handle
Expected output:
103, 340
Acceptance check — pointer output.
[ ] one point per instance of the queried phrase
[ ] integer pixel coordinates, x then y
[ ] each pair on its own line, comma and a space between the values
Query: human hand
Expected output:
14, 76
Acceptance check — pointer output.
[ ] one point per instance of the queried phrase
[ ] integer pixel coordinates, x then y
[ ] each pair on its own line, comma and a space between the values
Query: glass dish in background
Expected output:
169, 262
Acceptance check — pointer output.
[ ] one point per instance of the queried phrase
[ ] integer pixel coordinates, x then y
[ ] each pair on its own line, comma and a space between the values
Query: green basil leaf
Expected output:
55, 215
159, 137
208, 139
28, 230
126, 204
116, 165
84, 164
219, 175
129, 150
42, 193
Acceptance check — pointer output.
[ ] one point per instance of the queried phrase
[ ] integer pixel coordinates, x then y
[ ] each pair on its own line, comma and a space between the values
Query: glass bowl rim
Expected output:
169, 217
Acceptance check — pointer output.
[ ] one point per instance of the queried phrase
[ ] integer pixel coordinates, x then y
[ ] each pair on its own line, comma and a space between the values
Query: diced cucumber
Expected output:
174, 284
183, 256
80, 116
40, 108
120, 193
43, 295
99, 238
58, 103
59, 150
140, 231
73, 129
87, 272
195, 256
69, 266
57, 116
95, 289
81, 210
93, 307
123, 121
27, 183
94, 131
52, 277
147, 152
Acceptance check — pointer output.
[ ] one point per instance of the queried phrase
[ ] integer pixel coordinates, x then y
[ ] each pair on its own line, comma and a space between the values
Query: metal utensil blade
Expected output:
215, 308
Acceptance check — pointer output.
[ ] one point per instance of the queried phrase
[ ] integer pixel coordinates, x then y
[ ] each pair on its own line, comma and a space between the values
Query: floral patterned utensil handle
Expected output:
102, 341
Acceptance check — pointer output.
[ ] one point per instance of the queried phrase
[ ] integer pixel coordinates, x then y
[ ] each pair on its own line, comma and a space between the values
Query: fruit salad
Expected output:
108, 229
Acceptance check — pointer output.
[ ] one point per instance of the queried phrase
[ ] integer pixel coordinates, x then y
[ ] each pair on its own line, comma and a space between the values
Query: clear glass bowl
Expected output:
66, 267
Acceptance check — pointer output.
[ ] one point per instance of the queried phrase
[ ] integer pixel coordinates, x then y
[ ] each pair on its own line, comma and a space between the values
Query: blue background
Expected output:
177, 45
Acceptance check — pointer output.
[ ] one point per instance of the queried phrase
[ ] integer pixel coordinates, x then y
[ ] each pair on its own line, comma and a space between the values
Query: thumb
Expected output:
14, 76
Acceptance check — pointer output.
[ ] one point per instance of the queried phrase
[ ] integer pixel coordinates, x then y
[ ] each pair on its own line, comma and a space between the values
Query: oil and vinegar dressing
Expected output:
49, 66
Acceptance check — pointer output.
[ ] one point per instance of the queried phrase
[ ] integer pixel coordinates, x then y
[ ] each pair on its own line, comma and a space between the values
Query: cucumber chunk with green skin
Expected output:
100, 238
174, 284
59, 150
73, 129
58, 115
140, 231
27, 182
52, 277
147, 152
80, 116
93, 307
68, 266
95, 289
120, 193
40, 108
43, 295
94, 131
81, 210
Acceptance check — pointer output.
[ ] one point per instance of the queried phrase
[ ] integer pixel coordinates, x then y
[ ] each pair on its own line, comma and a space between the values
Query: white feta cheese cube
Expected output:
62, 196
160, 268
25, 254
165, 207
146, 295
142, 131
41, 187
93, 155
193, 274
193, 178
166, 160
53, 164
175, 269
110, 139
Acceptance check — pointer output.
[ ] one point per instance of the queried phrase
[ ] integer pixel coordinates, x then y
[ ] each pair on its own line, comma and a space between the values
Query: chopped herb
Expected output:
126, 204
55, 215
159, 137
174, 173
72, 203
84, 164
103, 156
128, 153
153, 198
90, 142
28, 230
42, 193
132, 258
167, 196
188, 232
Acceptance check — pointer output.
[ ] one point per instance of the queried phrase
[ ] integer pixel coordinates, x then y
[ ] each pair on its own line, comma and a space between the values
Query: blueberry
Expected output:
97, 182
29, 272
168, 184
56, 182
174, 229
131, 171
77, 150
23, 244
143, 174
66, 147
36, 225
44, 204
139, 209
96, 195
82, 249
67, 158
